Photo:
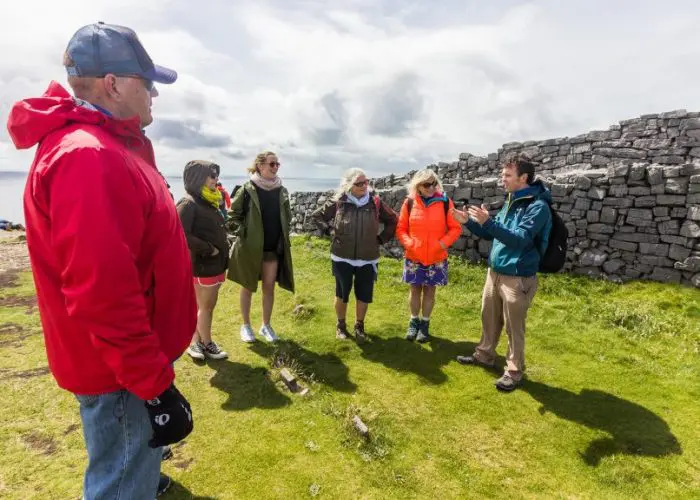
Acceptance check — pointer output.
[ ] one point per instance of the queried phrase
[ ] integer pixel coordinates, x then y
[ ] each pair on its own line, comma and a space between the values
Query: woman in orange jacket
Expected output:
426, 229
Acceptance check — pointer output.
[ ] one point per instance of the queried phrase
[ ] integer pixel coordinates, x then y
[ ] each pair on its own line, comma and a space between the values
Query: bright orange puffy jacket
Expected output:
421, 232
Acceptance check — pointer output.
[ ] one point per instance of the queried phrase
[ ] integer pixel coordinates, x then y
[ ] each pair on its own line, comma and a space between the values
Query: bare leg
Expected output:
206, 302
414, 299
246, 296
361, 310
428, 300
269, 277
341, 308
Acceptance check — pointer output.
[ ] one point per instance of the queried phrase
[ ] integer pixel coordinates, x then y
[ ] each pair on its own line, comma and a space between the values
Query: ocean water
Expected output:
12, 188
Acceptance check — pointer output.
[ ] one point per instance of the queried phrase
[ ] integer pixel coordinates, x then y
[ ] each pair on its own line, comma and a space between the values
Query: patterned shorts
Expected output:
415, 273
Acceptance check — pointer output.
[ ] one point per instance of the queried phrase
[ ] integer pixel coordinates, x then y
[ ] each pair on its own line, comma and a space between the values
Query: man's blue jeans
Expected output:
121, 466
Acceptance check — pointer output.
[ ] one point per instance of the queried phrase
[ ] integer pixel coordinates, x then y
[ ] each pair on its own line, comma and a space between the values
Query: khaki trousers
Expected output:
505, 301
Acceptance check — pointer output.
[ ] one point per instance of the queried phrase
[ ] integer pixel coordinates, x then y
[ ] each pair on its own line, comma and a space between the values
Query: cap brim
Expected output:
161, 74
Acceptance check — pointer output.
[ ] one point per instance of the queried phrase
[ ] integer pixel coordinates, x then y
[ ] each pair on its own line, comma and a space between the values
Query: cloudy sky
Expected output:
388, 85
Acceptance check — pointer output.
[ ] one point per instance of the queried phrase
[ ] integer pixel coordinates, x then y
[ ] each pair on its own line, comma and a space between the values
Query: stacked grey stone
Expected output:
630, 197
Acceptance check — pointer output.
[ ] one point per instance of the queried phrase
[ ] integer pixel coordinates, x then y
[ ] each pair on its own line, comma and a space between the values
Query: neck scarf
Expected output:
434, 198
359, 202
211, 196
266, 184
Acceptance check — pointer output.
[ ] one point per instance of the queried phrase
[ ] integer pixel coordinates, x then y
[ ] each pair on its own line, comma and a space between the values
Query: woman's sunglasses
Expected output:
360, 183
427, 185
275, 164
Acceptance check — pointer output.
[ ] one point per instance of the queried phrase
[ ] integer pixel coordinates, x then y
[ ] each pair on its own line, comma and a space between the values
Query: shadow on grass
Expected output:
426, 360
247, 387
327, 369
178, 492
634, 430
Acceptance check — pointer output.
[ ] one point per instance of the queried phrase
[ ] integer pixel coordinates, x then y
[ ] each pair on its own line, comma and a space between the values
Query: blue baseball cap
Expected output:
99, 49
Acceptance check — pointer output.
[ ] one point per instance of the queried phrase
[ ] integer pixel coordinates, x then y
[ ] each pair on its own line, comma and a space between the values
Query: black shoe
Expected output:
471, 360
163, 484
413, 327
359, 332
167, 453
423, 332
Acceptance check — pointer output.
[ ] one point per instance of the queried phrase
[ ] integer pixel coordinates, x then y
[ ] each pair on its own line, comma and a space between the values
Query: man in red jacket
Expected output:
109, 257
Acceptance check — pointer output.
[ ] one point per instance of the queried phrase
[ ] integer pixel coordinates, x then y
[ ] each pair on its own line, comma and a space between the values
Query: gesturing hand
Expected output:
479, 214
460, 216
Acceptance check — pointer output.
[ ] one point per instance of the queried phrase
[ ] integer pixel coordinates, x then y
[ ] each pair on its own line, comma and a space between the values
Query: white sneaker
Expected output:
212, 351
196, 351
268, 333
247, 334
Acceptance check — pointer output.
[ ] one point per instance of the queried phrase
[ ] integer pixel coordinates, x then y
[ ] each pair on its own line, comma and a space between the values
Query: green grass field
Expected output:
610, 408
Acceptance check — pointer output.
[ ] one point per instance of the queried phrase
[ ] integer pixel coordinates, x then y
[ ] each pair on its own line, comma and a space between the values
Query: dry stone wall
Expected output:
630, 196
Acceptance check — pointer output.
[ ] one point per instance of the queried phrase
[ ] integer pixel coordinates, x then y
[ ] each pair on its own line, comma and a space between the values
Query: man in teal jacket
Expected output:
520, 233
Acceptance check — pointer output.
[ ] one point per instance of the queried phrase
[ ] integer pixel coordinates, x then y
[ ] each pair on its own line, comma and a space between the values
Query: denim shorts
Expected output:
121, 465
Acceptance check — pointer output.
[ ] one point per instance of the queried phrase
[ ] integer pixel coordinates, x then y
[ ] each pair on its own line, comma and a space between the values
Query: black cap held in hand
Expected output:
170, 415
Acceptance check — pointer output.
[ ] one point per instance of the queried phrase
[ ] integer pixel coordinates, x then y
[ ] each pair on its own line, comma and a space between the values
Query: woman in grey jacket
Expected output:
354, 216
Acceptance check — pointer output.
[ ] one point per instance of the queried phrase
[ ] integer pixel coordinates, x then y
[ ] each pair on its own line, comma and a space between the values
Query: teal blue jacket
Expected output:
520, 231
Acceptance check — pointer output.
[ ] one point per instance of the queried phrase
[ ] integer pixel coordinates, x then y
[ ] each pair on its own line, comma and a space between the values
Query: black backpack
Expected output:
445, 205
555, 256
246, 198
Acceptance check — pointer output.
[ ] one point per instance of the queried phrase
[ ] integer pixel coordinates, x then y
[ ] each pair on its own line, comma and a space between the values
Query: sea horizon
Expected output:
12, 184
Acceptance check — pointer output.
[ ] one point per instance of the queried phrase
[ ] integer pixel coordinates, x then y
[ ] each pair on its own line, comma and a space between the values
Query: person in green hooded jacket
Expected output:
260, 219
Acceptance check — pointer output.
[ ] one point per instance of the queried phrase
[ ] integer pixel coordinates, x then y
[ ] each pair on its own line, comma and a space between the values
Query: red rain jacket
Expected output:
110, 262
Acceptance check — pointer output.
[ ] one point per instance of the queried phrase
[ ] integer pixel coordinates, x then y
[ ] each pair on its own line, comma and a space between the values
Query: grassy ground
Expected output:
610, 408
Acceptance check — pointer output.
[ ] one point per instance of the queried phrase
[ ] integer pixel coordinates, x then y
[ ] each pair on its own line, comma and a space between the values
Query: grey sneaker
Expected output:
507, 383
423, 331
212, 351
413, 327
247, 334
268, 334
196, 351
341, 331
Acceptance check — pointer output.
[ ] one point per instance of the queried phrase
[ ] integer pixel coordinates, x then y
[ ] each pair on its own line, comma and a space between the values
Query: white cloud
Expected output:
382, 84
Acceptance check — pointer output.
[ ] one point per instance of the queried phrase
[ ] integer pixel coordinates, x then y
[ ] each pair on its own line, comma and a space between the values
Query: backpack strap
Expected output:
445, 206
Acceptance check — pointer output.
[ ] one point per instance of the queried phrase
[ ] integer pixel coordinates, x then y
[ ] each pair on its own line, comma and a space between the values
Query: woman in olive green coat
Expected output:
259, 218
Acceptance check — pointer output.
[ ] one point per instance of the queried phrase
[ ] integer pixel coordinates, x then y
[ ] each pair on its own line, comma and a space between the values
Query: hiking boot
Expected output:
163, 484
359, 331
413, 326
167, 453
196, 351
212, 351
423, 331
507, 383
268, 334
341, 331
247, 334
471, 360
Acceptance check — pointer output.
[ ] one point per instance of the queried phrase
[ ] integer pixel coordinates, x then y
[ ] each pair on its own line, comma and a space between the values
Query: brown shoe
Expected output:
360, 335
341, 331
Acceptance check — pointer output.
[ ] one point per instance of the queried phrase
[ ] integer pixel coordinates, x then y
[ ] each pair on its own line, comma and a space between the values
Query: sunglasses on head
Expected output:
429, 184
360, 183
